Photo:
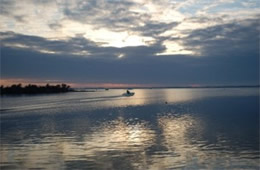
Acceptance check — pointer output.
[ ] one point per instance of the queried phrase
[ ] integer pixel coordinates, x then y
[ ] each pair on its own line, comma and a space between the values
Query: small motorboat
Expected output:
128, 93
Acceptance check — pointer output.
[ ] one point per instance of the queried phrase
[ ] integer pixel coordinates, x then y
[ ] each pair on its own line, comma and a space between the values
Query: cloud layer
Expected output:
132, 42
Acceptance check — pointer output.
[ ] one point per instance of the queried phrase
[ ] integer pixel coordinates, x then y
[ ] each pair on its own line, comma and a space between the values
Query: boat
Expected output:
128, 94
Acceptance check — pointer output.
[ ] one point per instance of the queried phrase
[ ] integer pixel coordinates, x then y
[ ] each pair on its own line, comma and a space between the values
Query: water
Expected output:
154, 129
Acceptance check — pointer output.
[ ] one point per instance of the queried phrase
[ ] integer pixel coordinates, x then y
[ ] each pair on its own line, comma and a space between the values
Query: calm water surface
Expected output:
195, 129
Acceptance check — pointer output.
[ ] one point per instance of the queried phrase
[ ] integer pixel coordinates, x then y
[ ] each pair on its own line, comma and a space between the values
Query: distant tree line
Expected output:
34, 89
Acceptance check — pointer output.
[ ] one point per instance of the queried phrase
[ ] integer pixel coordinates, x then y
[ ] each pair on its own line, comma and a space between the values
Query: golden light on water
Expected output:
114, 136
117, 136
175, 130
175, 137
120, 135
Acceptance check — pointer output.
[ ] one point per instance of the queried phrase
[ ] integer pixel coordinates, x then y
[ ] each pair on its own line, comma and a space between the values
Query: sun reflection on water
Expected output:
114, 138
121, 135
176, 137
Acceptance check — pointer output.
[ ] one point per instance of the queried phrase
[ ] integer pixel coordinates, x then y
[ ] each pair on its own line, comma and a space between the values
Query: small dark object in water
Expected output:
166, 102
128, 93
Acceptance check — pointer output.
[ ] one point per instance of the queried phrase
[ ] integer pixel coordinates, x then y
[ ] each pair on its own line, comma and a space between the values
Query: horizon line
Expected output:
24, 82
158, 87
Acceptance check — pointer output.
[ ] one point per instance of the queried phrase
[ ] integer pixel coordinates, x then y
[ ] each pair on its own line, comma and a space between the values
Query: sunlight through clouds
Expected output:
61, 19
175, 48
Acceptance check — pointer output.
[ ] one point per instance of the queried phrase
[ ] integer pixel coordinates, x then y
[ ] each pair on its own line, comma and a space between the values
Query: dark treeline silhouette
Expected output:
34, 89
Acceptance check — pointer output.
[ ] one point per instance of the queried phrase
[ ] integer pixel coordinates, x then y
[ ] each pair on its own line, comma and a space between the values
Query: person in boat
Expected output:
127, 91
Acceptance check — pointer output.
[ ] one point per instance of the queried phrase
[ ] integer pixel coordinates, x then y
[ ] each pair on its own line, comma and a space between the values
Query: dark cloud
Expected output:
20, 18
5, 7
237, 38
153, 29
71, 45
206, 19
55, 26
42, 2
171, 70
78, 45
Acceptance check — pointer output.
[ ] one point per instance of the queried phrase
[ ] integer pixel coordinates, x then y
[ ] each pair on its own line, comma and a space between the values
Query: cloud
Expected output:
110, 41
171, 70
236, 38
136, 17
112, 14
74, 46
117, 23
55, 26
154, 29
5, 7
229, 55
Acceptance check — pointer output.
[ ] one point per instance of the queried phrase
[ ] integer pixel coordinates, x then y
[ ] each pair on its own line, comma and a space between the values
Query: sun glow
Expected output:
103, 36
124, 39
175, 48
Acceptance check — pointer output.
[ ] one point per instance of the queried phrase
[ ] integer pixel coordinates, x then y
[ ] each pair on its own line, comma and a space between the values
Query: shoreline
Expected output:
58, 89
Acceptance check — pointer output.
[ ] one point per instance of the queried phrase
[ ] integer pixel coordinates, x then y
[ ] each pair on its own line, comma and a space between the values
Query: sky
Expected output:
137, 43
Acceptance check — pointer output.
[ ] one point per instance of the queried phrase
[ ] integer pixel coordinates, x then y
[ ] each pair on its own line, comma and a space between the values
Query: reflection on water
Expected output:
197, 129
120, 135
175, 131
